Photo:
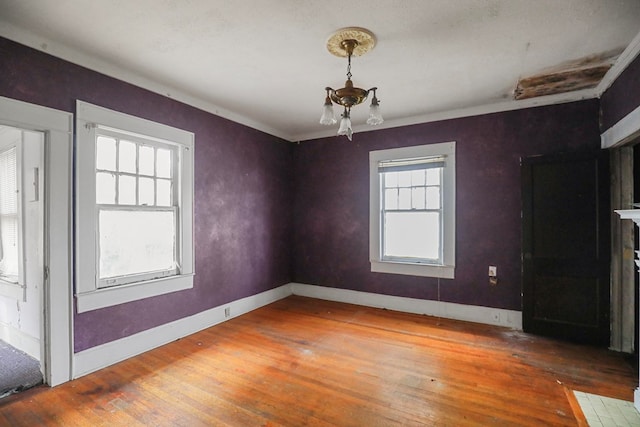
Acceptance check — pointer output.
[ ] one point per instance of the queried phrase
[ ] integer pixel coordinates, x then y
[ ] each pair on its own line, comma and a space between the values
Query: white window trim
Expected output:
378, 265
89, 296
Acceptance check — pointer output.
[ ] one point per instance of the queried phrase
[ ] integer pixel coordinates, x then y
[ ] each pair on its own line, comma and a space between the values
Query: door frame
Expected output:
623, 134
57, 340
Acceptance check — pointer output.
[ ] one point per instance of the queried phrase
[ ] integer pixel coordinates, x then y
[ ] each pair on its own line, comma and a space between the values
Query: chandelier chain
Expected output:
349, 68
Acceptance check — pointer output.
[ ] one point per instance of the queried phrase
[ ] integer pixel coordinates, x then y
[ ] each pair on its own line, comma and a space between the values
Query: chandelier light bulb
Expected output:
328, 116
348, 42
345, 125
375, 116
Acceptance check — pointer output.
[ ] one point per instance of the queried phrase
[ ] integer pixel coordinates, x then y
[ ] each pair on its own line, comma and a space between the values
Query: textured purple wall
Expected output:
331, 211
622, 97
243, 192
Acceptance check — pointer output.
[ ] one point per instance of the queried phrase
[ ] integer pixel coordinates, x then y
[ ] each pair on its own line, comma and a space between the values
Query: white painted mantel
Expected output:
633, 214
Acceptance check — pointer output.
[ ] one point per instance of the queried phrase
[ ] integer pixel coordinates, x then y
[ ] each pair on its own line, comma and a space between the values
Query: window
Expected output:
9, 216
413, 210
135, 208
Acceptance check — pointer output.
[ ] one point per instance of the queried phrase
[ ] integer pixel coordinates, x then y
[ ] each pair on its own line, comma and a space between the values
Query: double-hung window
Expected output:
413, 210
9, 216
135, 208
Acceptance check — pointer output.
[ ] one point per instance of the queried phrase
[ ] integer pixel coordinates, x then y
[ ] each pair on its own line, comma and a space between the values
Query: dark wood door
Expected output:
566, 246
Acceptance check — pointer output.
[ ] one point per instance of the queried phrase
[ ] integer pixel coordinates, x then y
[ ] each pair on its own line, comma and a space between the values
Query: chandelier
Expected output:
349, 42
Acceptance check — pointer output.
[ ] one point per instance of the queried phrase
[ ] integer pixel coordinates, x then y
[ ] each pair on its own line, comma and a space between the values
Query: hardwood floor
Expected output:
303, 361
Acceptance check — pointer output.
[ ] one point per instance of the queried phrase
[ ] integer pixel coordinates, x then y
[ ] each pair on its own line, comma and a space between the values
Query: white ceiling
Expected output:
264, 62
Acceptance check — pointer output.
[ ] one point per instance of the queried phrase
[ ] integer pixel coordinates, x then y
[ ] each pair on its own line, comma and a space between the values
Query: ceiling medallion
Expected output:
349, 42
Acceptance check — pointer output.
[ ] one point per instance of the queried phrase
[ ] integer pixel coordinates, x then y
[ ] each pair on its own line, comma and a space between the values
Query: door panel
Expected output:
565, 221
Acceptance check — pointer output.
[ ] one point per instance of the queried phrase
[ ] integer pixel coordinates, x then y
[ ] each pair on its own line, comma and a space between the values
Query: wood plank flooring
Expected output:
302, 362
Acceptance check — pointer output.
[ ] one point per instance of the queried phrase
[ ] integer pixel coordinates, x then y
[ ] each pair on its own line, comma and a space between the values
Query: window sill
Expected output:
411, 269
107, 297
11, 290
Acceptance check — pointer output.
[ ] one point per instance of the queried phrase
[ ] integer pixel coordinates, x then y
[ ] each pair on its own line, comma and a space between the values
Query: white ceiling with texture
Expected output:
264, 63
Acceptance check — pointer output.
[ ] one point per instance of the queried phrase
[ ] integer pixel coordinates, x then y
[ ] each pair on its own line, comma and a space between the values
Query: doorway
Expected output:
21, 259
566, 255
55, 326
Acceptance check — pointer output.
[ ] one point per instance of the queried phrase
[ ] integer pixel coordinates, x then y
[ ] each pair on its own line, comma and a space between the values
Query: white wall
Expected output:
20, 312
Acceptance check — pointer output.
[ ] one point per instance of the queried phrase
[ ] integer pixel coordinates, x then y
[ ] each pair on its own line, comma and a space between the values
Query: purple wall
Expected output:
247, 182
242, 191
331, 211
622, 97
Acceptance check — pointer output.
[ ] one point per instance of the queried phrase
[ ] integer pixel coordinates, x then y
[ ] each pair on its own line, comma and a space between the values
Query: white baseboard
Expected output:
636, 399
104, 355
471, 313
20, 340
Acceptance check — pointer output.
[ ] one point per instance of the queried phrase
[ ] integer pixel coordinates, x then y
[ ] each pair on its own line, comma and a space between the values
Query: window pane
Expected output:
9, 263
433, 176
145, 163
163, 163
417, 198
127, 157
126, 190
404, 198
9, 215
418, 177
404, 179
145, 191
106, 153
412, 235
433, 197
133, 242
163, 192
391, 198
105, 188
391, 179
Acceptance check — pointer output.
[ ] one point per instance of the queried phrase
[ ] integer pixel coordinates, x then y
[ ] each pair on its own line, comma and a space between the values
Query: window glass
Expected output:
163, 195
131, 244
163, 163
106, 153
127, 156
411, 235
146, 162
9, 215
126, 190
146, 191
105, 188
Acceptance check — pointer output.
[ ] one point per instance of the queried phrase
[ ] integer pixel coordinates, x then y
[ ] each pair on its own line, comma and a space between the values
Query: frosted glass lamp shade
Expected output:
328, 116
375, 117
345, 126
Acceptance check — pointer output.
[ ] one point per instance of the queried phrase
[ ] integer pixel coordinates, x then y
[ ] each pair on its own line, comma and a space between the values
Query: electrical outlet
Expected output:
495, 316
493, 271
227, 312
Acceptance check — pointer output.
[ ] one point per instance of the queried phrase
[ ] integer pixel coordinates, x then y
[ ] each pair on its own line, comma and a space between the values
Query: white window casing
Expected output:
93, 291
441, 156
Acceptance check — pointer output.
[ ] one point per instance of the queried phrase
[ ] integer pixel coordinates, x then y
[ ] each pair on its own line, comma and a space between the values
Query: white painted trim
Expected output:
89, 295
470, 313
20, 340
117, 295
496, 107
104, 355
58, 50
627, 129
626, 57
58, 128
636, 399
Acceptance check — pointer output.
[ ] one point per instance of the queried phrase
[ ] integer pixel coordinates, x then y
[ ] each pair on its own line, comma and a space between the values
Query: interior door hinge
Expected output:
46, 272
